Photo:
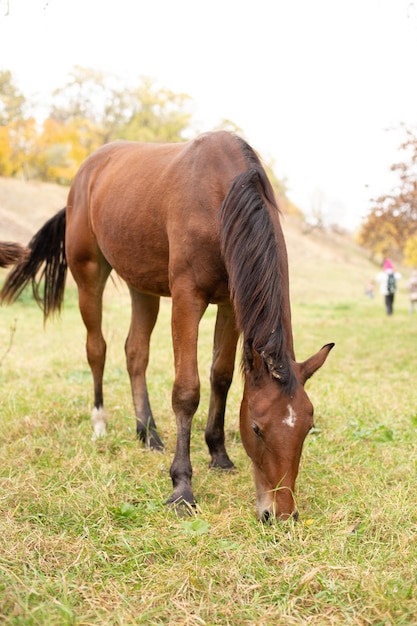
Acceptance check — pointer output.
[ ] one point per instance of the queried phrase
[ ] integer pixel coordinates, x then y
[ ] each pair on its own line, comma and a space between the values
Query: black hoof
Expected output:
151, 440
155, 445
182, 507
222, 461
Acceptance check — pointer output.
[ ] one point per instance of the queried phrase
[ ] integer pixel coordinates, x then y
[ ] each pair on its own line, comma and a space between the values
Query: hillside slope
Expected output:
323, 266
25, 206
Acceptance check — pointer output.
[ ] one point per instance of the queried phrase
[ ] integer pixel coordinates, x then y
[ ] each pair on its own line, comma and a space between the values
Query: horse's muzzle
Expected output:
268, 518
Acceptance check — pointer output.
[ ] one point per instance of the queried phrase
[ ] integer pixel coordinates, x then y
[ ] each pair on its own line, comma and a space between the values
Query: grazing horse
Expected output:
11, 253
196, 221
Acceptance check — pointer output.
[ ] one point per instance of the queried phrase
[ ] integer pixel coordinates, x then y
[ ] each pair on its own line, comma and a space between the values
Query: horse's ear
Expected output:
310, 366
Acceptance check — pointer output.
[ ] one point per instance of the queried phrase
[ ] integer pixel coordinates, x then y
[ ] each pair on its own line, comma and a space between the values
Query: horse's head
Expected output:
273, 426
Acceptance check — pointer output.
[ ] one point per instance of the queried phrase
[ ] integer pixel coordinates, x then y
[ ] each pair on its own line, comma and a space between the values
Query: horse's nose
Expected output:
267, 516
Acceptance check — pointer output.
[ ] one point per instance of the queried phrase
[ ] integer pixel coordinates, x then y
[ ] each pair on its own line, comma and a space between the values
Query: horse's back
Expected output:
151, 210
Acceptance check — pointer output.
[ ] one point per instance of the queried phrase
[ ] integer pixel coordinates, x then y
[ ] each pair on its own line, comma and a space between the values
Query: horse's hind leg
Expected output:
225, 341
145, 310
91, 278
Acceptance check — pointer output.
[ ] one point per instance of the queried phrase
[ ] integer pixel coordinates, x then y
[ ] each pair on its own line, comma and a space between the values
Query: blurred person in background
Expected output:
388, 280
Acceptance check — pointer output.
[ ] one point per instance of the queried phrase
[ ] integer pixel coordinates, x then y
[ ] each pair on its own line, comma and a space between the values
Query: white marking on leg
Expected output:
291, 417
99, 422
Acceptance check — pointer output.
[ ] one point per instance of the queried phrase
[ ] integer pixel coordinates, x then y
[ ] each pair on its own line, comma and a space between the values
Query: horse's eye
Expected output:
256, 430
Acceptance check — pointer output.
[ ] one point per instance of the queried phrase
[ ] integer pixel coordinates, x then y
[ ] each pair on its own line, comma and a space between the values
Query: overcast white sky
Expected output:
314, 84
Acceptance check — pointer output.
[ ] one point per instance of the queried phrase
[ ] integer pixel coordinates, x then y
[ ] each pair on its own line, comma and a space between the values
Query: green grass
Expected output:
86, 538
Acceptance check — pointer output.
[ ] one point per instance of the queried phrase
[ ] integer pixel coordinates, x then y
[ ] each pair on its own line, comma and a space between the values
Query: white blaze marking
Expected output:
291, 417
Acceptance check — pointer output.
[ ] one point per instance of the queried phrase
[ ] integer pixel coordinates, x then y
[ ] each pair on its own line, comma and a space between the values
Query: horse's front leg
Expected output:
187, 311
224, 352
145, 310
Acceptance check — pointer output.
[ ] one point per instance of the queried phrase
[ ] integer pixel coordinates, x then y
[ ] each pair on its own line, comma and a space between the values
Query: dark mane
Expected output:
252, 258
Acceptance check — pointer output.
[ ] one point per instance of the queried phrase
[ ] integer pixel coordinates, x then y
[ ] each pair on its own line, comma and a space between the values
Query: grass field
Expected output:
86, 538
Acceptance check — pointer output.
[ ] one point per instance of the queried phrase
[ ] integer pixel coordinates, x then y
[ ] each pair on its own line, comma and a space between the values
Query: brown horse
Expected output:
196, 221
11, 253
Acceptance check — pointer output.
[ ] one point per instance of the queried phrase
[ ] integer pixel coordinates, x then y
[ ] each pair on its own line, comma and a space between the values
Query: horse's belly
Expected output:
152, 282
153, 271
141, 267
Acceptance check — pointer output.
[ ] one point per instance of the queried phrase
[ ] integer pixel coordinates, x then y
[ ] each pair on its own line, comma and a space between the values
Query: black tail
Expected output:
47, 251
11, 253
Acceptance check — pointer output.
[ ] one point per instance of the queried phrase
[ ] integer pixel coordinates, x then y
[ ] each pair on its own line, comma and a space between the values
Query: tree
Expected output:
392, 220
410, 251
89, 110
156, 114
60, 149
17, 130
113, 111
12, 102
